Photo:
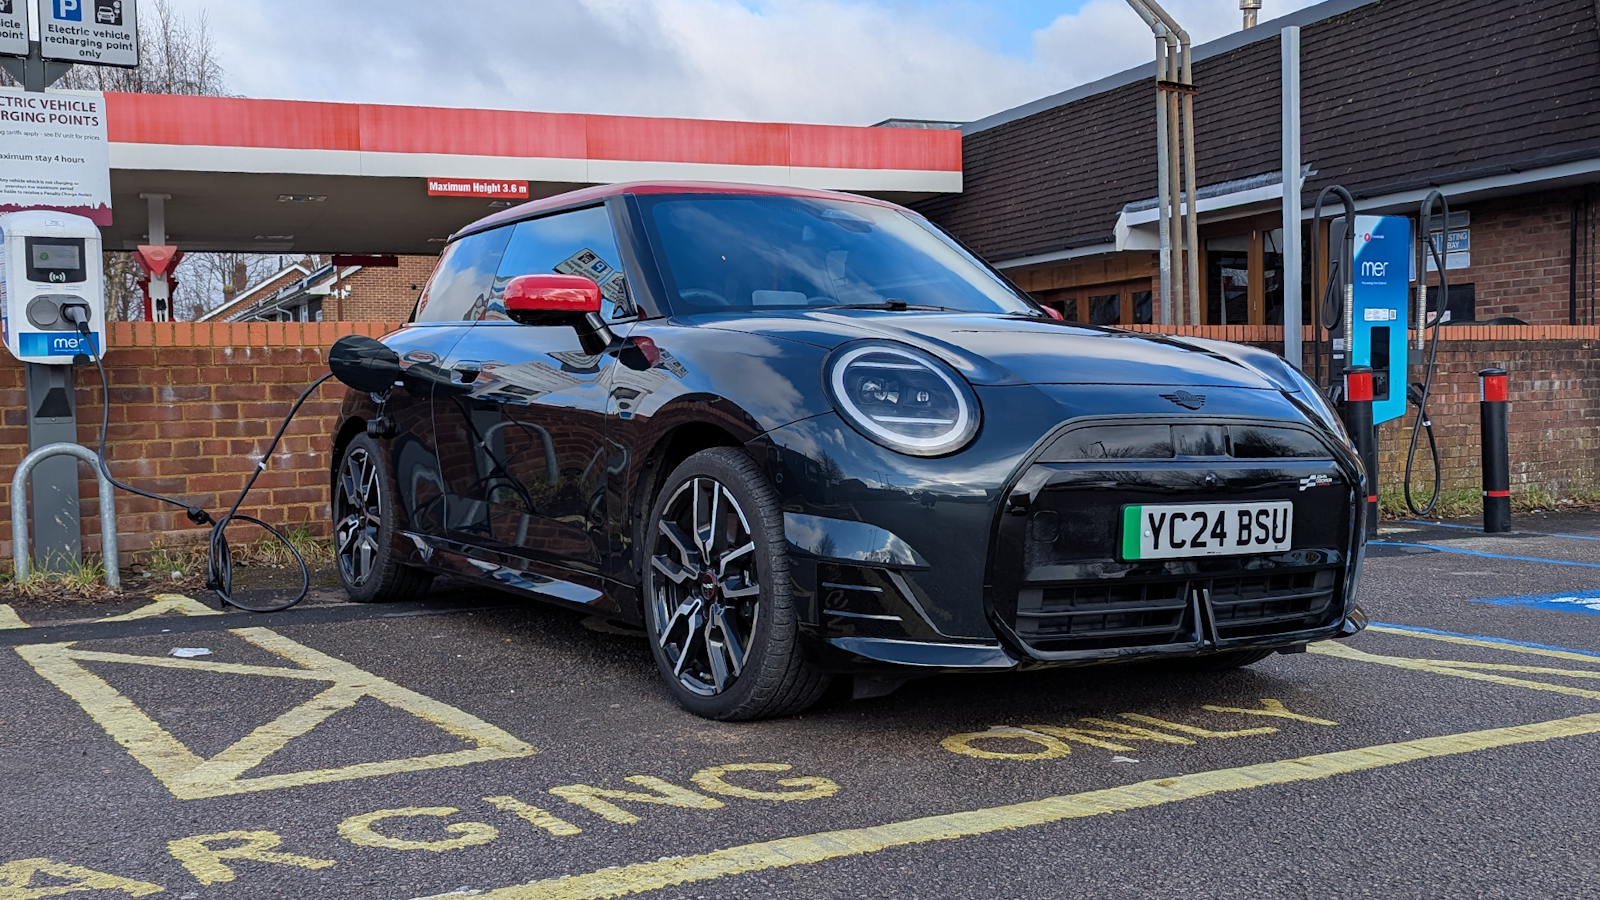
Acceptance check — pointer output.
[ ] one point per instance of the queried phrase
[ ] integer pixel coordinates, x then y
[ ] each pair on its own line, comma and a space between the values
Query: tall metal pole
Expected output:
1163, 179
1191, 220
1175, 186
1292, 308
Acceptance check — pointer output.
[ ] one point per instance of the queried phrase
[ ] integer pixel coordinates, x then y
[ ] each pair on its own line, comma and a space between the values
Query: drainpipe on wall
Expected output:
1166, 157
1176, 85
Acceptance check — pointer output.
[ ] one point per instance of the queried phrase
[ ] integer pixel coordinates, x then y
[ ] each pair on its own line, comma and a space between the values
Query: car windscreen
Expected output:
741, 252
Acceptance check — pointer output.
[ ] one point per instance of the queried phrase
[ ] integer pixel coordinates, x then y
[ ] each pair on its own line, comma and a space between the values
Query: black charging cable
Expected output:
219, 563
1418, 394
1330, 312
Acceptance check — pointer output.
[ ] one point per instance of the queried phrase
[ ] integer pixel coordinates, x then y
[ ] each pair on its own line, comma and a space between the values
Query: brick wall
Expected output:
193, 406
381, 294
1521, 258
1554, 382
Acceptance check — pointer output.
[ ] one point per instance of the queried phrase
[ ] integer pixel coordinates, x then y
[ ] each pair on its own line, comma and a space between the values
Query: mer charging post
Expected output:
52, 313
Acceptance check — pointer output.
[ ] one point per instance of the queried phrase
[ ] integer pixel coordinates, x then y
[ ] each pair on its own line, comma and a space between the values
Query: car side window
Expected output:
462, 282
579, 242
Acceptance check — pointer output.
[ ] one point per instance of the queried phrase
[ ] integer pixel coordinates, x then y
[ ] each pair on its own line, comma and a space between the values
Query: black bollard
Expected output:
1358, 421
1496, 452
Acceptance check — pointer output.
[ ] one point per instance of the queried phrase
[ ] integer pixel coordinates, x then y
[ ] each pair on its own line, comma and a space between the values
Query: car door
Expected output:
451, 300
527, 439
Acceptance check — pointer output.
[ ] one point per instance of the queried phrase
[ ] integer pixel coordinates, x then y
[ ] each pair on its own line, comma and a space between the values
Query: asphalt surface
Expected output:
1403, 762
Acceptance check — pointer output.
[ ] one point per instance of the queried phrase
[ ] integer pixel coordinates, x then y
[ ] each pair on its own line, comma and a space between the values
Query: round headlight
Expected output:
902, 398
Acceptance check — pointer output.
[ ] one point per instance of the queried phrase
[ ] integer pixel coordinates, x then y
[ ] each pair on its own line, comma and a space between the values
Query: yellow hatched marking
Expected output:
815, 848
190, 777
9, 618
1490, 645
1453, 667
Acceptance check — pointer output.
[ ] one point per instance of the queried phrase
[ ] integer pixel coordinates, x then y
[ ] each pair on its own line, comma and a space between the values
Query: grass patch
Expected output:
77, 580
1453, 503
271, 552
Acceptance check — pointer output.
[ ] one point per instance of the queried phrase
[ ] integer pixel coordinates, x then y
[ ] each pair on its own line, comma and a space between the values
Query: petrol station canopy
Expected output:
278, 176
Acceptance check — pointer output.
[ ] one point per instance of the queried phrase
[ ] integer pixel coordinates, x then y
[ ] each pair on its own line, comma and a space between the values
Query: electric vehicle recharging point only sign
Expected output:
1380, 299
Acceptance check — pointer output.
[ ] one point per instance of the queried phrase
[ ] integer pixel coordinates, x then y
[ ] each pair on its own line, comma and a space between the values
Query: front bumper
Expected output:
1053, 589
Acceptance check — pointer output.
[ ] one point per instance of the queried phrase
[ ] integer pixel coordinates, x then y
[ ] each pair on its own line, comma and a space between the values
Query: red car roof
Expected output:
600, 192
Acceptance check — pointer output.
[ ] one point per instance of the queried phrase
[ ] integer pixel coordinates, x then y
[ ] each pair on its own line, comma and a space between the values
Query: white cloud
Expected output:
836, 61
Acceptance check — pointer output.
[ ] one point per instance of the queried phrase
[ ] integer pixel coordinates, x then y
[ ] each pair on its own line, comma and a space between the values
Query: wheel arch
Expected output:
668, 452
347, 431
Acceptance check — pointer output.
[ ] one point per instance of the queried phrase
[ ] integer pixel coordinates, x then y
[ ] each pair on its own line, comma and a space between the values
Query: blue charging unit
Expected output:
1379, 303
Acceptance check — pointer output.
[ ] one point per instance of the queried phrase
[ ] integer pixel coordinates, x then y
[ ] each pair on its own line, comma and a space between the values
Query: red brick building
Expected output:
384, 289
1496, 103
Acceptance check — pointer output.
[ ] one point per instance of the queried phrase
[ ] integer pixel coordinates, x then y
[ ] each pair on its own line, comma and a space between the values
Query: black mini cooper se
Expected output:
796, 435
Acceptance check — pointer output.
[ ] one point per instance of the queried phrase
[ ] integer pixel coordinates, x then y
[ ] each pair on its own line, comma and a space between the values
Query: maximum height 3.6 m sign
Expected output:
87, 32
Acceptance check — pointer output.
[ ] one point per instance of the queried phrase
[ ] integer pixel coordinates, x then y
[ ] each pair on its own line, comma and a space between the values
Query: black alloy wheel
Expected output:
367, 545
718, 595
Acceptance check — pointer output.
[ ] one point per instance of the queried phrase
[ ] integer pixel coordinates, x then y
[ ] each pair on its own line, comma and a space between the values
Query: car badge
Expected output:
1311, 481
1186, 399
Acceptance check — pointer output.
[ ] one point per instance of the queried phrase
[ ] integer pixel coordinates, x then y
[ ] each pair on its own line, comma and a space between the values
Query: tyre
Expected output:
719, 603
1223, 662
367, 544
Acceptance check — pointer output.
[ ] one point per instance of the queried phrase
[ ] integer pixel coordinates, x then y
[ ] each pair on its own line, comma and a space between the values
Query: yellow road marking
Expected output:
358, 830
16, 880
190, 777
1474, 642
9, 618
1270, 708
815, 848
1453, 668
205, 862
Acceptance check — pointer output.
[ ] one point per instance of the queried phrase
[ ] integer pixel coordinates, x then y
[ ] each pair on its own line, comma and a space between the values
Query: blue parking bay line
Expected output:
1537, 559
1569, 601
1486, 638
1570, 537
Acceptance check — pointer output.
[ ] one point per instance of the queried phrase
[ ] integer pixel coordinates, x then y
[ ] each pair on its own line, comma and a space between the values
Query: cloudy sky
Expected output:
833, 61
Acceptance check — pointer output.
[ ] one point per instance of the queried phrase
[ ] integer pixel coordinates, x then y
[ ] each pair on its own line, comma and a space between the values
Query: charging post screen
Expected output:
55, 260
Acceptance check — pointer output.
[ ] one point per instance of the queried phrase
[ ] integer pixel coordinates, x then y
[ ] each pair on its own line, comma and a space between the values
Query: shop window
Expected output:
1142, 312
1228, 280
1105, 309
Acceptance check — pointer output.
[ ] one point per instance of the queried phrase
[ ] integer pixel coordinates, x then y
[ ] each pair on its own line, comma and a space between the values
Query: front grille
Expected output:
1104, 615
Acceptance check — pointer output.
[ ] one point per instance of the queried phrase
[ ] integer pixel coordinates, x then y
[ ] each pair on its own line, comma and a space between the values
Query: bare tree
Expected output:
176, 56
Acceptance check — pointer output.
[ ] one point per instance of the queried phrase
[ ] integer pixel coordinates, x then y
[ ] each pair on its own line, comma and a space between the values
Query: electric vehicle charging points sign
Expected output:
14, 27
91, 32
54, 153
1380, 299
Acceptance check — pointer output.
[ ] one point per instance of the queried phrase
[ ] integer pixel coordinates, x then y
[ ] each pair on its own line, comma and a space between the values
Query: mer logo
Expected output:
58, 344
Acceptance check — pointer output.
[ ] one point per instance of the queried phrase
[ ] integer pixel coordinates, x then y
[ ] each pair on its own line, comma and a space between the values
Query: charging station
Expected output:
52, 285
1380, 295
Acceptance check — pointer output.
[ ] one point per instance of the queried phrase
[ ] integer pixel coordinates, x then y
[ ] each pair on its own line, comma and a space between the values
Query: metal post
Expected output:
33, 71
1293, 313
160, 285
1496, 451
52, 419
1164, 178
1191, 238
21, 552
1358, 421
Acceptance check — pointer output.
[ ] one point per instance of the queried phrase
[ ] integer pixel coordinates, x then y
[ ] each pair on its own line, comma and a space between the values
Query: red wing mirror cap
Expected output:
550, 299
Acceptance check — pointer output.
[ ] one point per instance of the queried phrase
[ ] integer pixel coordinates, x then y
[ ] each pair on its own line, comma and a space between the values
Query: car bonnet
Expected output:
999, 349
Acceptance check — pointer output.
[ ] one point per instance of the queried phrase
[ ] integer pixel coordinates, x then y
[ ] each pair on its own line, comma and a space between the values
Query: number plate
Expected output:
1178, 530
